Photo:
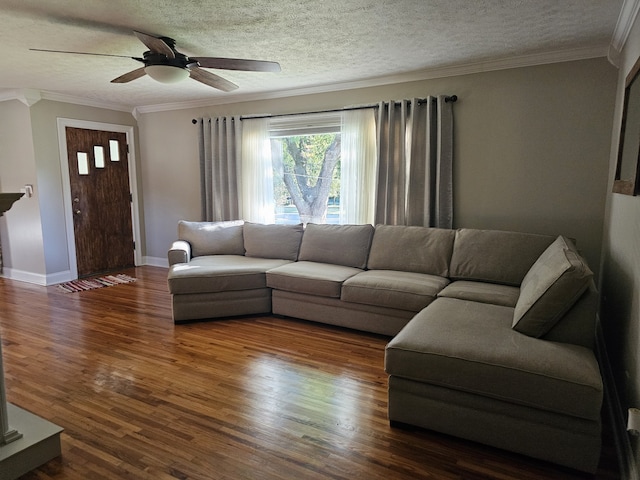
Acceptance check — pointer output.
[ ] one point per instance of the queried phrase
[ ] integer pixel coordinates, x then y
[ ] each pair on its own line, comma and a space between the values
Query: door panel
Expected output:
101, 200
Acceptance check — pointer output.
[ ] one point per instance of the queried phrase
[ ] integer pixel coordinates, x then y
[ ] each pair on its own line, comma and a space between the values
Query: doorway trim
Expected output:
128, 130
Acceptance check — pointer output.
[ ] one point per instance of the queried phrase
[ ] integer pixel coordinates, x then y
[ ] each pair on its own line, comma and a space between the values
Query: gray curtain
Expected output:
219, 140
415, 160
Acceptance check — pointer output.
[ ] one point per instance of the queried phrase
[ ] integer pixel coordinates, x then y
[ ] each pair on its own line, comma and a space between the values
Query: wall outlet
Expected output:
28, 189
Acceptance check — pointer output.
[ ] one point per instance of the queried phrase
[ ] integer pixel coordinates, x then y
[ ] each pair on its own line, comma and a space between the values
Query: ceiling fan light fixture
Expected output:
166, 73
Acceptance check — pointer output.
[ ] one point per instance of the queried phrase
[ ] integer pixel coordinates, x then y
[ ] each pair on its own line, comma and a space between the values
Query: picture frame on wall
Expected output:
627, 179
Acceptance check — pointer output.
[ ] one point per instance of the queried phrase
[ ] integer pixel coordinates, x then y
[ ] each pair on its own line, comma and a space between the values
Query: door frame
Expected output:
128, 130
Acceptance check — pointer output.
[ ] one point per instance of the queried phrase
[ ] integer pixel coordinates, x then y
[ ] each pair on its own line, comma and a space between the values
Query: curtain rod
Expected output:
447, 99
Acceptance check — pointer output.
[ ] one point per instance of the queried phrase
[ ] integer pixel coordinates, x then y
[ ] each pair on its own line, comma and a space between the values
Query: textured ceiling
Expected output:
317, 43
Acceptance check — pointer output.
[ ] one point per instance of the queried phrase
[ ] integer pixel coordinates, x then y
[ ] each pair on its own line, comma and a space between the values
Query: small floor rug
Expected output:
98, 282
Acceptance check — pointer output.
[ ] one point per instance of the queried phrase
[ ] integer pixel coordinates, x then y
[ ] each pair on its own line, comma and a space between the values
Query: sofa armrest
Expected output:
180, 252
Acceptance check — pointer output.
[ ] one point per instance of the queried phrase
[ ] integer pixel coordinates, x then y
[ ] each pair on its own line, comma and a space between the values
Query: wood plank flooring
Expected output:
244, 398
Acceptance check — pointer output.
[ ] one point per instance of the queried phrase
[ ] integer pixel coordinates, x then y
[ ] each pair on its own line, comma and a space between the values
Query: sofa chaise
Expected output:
493, 332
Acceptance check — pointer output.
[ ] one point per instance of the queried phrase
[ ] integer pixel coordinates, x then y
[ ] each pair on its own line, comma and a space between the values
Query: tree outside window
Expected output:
307, 177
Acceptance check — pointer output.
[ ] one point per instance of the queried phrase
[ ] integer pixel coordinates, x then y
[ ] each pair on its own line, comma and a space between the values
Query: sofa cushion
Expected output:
495, 256
471, 347
219, 273
550, 288
346, 245
272, 241
482, 292
213, 238
389, 288
411, 249
322, 279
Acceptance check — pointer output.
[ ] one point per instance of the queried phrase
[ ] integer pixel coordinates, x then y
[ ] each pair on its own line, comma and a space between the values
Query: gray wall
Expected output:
44, 115
20, 227
620, 282
531, 151
33, 233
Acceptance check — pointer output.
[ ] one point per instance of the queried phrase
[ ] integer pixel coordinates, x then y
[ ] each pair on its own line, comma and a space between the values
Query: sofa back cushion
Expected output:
411, 249
551, 287
213, 238
346, 245
272, 241
495, 256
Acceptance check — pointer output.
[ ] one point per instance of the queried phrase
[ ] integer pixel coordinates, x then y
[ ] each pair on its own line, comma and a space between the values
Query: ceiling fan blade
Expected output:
211, 79
237, 64
132, 75
83, 53
155, 44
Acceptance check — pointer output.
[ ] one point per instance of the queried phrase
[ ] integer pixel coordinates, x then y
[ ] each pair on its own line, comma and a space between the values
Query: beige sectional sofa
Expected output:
493, 332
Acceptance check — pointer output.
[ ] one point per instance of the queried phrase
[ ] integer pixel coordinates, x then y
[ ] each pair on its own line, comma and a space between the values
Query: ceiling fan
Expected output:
164, 63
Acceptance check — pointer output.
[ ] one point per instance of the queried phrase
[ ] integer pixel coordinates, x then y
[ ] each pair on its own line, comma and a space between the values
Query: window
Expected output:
317, 168
98, 156
306, 174
114, 151
306, 170
83, 163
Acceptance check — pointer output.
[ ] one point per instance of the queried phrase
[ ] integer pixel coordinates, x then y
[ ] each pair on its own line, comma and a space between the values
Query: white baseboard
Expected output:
23, 276
617, 417
66, 276
156, 261
60, 277
36, 278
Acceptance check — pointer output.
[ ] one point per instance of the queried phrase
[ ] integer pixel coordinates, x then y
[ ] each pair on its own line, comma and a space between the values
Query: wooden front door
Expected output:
101, 200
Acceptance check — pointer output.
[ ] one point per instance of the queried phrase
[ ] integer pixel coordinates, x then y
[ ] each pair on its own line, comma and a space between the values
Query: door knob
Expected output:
78, 212
76, 200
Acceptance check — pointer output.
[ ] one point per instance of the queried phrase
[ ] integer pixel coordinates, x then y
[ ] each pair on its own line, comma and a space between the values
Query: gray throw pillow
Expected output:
272, 241
213, 238
346, 245
551, 287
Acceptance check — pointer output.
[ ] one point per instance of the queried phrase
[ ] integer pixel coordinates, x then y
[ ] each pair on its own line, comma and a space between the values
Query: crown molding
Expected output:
30, 97
626, 19
486, 65
64, 98
27, 96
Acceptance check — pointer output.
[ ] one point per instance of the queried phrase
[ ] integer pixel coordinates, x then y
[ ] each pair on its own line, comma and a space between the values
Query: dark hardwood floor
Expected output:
244, 398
